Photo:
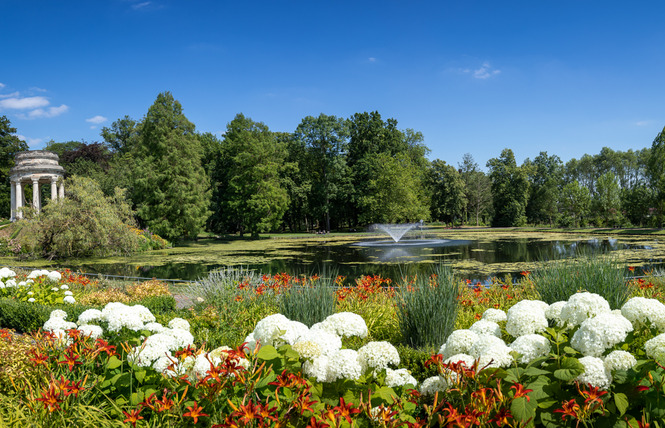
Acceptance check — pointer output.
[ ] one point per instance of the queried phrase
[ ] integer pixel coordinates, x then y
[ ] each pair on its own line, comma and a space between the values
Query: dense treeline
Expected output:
336, 173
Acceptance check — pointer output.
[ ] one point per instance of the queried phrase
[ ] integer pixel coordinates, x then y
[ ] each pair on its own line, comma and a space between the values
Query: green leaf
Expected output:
268, 353
140, 375
386, 393
523, 409
535, 371
569, 350
570, 369
113, 363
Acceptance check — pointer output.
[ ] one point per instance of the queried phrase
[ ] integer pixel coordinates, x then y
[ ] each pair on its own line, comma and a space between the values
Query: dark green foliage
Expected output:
85, 223
510, 190
159, 304
414, 361
557, 281
171, 189
447, 190
478, 191
25, 317
428, 311
545, 178
310, 303
248, 192
10, 145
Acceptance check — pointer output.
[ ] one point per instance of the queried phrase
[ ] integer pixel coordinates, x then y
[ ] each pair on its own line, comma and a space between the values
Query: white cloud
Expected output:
643, 122
485, 71
138, 6
23, 103
96, 119
32, 142
371, 59
36, 89
2, 85
13, 95
42, 113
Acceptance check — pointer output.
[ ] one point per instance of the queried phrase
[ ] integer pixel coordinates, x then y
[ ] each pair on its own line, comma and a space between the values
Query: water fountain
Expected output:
399, 231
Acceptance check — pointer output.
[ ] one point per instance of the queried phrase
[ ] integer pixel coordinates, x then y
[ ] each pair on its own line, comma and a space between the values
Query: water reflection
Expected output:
389, 260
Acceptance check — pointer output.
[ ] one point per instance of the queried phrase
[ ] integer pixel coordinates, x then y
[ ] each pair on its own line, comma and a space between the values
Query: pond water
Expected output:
475, 256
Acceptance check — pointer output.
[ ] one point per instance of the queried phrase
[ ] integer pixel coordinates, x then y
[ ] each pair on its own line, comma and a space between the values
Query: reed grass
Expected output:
311, 302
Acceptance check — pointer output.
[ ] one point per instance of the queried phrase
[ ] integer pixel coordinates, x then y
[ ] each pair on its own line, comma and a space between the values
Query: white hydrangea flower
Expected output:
143, 313
54, 276
154, 327
619, 360
295, 329
37, 273
55, 289
434, 384
6, 273
600, 333
486, 327
202, 365
94, 331
10, 283
325, 342
68, 293
491, 351
183, 337
554, 311
2, 285
378, 355
146, 355
643, 312
595, 373
89, 316
345, 324
179, 323
58, 323
399, 377
270, 328
526, 317
467, 359
250, 342
495, 315
530, 347
459, 342
317, 368
655, 348
345, 364
69, 299
581, 306
31, 300
58, 313
161, 365
64, 287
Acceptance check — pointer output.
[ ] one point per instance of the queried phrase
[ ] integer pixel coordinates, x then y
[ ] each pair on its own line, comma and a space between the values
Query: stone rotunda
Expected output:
36, 167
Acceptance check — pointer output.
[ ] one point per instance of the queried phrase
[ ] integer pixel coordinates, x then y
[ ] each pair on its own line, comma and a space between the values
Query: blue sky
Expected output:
566, 77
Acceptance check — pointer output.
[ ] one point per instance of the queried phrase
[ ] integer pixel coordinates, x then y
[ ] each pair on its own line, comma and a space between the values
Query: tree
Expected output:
545, 178
574, 204
477, 188
446, 187
510, 190
123, 135
325, 138
171, 188
86, 223
249, 195
606, 201
395, 193
656, 174
10, 145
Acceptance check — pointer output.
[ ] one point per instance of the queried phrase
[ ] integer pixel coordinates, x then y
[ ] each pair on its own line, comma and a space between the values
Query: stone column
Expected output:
19, 200
36, 203
62, 189
54, 187
12, 215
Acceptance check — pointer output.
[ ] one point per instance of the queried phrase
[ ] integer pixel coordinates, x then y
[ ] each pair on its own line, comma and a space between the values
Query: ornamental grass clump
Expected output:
427, 310
556, 281
310, 302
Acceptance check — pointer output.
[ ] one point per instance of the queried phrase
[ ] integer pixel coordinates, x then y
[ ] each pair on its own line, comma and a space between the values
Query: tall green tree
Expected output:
574, 205
606, 203
9, 146
477, 188
171, 189
122, 135
396, 192
656, 175
250, 196
325, 138
510, 190
545, 179
447, 189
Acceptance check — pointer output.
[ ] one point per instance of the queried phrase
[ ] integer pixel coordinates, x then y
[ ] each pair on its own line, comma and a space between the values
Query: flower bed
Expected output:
511, 362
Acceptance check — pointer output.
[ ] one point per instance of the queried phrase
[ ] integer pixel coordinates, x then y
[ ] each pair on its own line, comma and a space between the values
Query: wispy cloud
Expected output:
32, 142
485, 71
17, 103
371, 59
141, 5
45, 113
643, 122
12, 95
96, 119
2, 85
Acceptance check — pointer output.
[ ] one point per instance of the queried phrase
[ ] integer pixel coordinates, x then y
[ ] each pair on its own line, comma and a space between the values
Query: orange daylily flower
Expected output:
195, 412
133, 417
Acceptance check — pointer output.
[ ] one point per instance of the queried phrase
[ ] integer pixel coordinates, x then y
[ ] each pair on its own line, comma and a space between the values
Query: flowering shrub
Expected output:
40, 286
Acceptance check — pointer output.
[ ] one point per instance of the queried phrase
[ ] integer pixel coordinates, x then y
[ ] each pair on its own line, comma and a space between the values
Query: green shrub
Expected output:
159, 304
557, 281
427, 310
310, 303
414, 361
25, 317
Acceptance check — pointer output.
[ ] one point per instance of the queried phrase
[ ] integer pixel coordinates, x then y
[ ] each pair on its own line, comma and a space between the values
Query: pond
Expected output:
476, 255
